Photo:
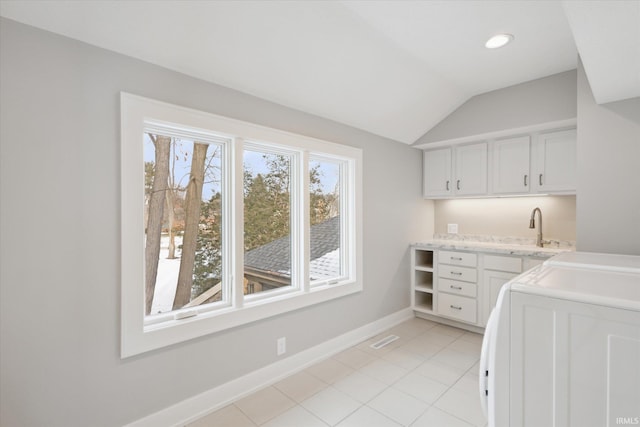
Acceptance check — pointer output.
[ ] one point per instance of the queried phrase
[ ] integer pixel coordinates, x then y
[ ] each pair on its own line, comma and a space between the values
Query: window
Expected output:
268, 230
207, 199
183, 217
327, 263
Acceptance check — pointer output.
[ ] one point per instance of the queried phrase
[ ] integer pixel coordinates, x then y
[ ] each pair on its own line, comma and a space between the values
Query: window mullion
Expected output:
347, 235
304, 222
236, 216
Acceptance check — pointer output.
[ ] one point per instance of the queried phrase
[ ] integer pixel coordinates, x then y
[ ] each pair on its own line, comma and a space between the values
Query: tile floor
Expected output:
428, 377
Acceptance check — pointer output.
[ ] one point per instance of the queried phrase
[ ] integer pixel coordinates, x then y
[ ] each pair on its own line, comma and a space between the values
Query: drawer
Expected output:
458, 258
503, 263
457, 307
457, 287
465, 274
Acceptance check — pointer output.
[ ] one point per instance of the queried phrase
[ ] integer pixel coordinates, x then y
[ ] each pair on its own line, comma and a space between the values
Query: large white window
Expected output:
226, 222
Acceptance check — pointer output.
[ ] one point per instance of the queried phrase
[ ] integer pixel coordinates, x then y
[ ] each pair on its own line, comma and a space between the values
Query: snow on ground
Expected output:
167, 279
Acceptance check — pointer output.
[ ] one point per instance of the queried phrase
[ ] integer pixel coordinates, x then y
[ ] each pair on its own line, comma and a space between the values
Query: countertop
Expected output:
492, 247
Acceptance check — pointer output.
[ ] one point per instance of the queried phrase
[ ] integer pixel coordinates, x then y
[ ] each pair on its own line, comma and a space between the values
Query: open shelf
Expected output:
424, 280
423, 301
424, 259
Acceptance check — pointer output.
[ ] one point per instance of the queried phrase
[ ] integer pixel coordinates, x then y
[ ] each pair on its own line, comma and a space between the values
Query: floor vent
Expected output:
384, 341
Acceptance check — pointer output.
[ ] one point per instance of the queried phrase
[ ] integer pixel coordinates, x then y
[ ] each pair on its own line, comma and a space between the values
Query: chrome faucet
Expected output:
532, 224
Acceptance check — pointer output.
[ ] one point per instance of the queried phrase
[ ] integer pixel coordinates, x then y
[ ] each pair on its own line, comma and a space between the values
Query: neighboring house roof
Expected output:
275, 257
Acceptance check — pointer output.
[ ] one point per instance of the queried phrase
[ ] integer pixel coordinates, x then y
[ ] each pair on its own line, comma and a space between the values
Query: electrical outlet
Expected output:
452, 228
281, 345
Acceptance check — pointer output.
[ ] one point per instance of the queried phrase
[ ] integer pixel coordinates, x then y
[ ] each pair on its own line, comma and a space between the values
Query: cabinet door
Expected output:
555, 169
492, 282
437, 173
510, 164
471, 169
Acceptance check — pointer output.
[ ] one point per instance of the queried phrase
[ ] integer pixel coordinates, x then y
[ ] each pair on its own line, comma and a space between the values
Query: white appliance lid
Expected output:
614, 281
612, 262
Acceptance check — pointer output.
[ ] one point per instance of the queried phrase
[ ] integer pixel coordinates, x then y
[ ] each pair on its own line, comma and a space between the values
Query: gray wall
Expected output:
544, 100
59, 287
608, 202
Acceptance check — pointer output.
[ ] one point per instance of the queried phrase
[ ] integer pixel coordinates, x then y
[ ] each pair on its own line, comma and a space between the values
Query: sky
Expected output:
253, 160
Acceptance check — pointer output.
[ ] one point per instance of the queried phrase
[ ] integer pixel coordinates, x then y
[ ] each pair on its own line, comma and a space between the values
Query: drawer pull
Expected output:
455, 258
455, 307
458, 288
456, 273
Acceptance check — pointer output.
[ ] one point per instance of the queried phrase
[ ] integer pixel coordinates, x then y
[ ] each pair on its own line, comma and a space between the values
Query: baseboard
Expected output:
444, 321
209, 401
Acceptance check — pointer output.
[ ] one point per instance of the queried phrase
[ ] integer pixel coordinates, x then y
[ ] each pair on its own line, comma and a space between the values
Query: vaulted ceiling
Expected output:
393, 68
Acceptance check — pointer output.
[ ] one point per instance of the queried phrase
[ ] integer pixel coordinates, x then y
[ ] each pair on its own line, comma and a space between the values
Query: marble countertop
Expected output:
507, 246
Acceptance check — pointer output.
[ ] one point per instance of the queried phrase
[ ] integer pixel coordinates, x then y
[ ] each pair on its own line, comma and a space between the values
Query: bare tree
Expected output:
171, 214
193, 202
171, 222
156, 210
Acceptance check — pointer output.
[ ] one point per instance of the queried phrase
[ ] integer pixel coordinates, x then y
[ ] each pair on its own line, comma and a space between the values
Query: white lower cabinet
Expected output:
453, 272
493, 282
461, 286
456, 307
497, 271
462, 259
457, 286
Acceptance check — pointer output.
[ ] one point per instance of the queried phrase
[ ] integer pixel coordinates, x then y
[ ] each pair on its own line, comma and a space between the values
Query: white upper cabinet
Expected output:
471, 169
554, 162
437, 173
543, 163
510, 165
455, 171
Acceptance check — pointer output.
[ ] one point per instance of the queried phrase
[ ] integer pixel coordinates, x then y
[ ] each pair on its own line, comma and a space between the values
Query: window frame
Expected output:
346, 189
139, 335
225, 143
297, 275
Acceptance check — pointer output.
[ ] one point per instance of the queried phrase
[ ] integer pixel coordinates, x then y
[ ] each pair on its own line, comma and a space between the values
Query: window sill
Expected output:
157, 335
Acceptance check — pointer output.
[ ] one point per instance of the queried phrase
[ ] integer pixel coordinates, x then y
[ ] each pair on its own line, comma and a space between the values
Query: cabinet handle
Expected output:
458, 184
456, 273
457, 288
455, 258
525, 180
455, 307
540, 179
447, 185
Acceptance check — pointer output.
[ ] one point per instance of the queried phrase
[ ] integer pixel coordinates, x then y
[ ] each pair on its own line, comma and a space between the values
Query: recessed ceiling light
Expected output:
498, 40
